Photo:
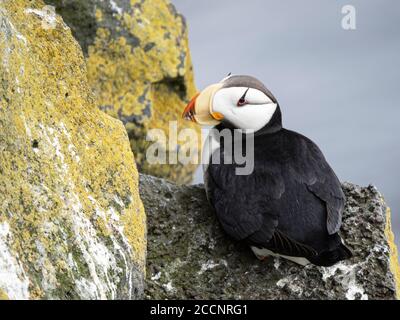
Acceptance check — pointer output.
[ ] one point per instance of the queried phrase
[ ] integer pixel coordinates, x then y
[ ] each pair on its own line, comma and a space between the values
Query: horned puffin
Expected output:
291, 204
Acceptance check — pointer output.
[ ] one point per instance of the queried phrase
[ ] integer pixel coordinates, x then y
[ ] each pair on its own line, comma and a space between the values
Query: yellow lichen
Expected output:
60, 156
145, 84
3, 295
99, 15
394, 258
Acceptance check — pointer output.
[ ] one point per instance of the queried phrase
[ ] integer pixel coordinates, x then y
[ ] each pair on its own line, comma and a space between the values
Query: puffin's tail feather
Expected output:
329, 258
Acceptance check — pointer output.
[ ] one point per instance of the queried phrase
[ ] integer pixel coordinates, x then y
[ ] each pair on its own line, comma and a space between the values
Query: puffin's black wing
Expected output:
240, 207
324, 184
291, 204
245, 208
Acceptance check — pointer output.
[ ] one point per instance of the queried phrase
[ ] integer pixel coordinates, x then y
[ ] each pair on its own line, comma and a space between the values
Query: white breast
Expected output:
210, 145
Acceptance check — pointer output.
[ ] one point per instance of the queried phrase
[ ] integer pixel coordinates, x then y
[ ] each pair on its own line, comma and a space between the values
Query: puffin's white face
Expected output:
237, 103
243, 108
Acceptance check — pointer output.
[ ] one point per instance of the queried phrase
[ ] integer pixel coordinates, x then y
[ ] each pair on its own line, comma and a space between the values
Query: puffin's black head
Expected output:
238, 101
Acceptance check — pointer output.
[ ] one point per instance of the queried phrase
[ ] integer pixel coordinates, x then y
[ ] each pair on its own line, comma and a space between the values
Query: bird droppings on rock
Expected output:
347, 277
210, 265
182, 229
72, 225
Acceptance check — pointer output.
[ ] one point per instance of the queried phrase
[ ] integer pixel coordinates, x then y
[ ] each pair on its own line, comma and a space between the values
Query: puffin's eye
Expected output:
242, 101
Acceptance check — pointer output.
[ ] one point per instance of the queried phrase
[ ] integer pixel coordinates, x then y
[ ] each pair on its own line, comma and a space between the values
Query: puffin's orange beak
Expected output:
189, 112
199, 109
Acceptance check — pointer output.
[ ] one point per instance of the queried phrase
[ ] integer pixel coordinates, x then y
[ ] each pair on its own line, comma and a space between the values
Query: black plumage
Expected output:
291, 204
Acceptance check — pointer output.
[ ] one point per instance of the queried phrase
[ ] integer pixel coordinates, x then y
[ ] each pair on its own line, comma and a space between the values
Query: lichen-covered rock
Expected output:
190, 257
3, 295
139, 68
72, 225
394, 255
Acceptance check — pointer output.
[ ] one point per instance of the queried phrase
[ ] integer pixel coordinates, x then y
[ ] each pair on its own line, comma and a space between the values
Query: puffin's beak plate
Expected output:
199, 109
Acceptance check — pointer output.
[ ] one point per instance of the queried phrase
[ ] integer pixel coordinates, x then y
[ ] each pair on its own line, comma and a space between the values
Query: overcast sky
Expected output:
341, 88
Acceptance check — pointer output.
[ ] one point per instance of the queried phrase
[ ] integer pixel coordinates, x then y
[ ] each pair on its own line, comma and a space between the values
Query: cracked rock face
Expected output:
139, 68
189, 257
72, 225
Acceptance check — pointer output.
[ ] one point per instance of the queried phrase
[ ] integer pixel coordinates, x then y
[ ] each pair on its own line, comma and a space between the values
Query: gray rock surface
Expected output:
189, 257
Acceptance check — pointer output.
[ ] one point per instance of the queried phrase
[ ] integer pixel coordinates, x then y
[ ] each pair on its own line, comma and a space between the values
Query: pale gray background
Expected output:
340, 88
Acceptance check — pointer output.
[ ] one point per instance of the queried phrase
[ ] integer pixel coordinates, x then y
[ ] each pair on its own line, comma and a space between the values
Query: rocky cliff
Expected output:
139, 68
72, 225
189, 257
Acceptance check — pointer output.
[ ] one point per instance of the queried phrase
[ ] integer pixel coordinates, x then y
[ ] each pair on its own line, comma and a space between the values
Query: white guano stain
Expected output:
157, 276
277, 263
96, 255
210, 264
290, 283
107, 258
115, 8
47, 15
13, 280
169, 287
49, 275
347, 279
7, 33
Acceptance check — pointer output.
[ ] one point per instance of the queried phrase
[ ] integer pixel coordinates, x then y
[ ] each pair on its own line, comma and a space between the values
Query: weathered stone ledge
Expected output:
189, 257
